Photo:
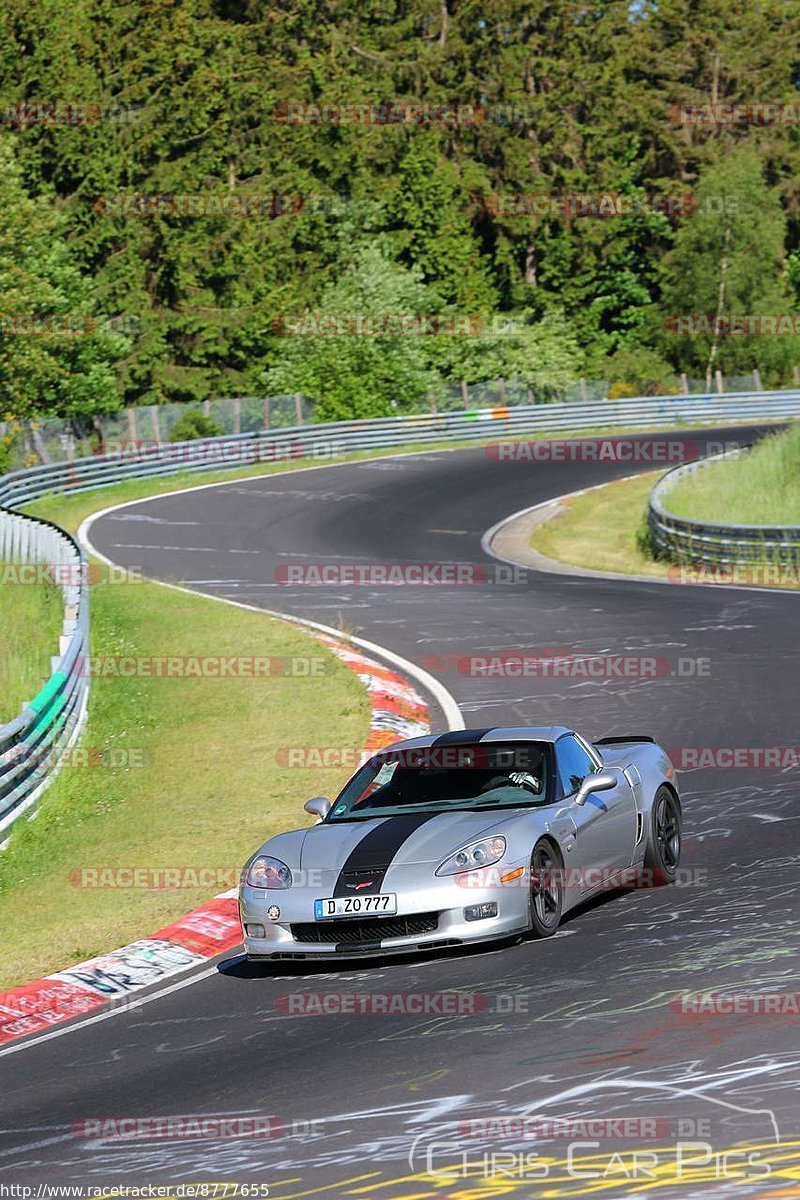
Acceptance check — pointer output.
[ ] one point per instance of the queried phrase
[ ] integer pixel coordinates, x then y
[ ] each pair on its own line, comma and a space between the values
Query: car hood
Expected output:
397, 840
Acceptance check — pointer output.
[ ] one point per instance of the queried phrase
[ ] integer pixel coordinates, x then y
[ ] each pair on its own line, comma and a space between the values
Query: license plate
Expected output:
355, 906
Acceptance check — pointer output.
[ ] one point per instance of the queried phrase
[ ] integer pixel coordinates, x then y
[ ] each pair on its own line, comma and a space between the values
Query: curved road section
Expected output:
651, 1047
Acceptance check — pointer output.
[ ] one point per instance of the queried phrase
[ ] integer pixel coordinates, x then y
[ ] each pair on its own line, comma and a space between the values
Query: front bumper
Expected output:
443, 897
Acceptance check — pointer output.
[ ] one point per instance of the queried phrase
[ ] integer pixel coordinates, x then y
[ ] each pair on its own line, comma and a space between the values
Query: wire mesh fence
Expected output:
52, 440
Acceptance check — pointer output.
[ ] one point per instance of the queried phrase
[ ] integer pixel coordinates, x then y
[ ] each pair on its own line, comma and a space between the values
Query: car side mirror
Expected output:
594, 783
318, 807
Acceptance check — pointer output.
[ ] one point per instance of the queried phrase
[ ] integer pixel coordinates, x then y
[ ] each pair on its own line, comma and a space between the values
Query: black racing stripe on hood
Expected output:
373, 855
462, 737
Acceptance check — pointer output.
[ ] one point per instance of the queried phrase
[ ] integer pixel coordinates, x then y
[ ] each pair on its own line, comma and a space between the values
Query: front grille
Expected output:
376, 929
360, 876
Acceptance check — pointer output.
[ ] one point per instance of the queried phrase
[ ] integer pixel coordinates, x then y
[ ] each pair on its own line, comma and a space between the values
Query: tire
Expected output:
547, 889
663, 855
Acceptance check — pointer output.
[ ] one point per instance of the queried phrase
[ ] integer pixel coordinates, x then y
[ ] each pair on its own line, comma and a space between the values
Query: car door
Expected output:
605, 825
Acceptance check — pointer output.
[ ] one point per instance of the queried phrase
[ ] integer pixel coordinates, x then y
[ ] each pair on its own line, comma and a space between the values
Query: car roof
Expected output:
498, 733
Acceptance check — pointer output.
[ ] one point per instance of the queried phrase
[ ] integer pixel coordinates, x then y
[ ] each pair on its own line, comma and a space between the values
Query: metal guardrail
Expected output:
340, 437
684, 541
33, 745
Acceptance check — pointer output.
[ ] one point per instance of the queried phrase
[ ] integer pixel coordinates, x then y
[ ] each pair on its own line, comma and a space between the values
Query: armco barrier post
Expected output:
33, 745
704, 543
30, 745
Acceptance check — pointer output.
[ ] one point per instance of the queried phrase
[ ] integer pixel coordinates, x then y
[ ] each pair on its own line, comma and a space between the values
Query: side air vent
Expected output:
633, 777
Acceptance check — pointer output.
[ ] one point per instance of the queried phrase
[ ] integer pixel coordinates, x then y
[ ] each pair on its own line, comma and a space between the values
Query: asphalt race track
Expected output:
580, 1026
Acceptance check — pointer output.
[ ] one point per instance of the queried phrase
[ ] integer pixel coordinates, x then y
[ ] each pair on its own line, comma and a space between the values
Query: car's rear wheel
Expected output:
547, 889
663, 854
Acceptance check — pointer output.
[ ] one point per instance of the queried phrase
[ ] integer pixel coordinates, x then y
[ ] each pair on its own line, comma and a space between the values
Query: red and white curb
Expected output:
398, 712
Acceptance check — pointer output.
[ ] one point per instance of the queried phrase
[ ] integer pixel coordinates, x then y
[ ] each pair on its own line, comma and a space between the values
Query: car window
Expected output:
443, 778
574, 764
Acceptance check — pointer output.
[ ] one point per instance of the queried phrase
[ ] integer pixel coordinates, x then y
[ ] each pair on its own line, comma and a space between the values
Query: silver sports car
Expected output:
464, 837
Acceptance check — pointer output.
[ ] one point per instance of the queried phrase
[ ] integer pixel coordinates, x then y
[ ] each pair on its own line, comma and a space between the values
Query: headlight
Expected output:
266, 872
477, 854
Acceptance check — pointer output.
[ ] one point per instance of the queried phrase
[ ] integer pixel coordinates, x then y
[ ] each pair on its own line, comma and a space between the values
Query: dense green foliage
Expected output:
193, 98
53, 353
194, 424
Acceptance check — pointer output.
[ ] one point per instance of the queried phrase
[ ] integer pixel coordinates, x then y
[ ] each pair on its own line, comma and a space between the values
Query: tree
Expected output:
727, 261
434, 230
544, 356
193, 97
56, 357
358, 374
637, 371
194, 424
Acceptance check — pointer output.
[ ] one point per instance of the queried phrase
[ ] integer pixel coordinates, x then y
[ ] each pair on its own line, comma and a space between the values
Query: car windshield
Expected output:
447, 778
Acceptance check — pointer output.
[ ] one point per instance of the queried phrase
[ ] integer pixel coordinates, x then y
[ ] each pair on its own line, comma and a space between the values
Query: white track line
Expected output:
111, 1012
442, 696
590, 572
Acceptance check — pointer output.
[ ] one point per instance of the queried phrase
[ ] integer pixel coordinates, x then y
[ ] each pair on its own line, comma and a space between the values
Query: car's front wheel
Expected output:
547, 889
663, 854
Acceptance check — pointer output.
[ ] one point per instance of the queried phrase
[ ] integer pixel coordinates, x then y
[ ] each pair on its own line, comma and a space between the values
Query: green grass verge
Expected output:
762, 487
31, 618
603, 529
73, 509
199, 786
183, 771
